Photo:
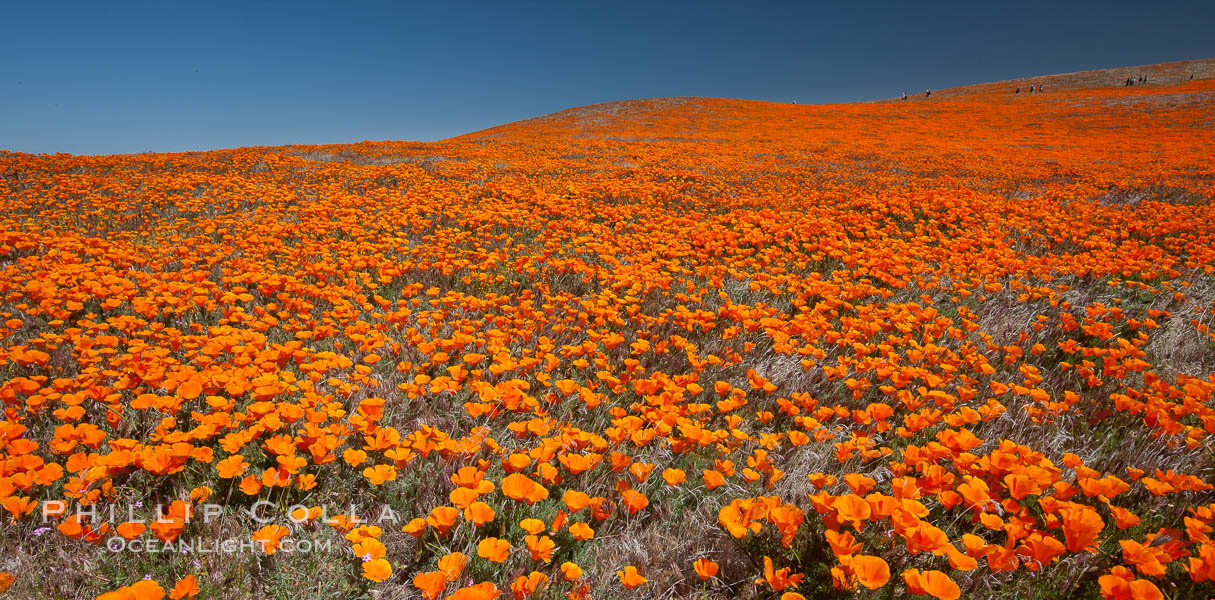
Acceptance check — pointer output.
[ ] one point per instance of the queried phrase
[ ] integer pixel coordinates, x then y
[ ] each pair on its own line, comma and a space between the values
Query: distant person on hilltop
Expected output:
1018, 91
1040, 88
927, 93
905, 93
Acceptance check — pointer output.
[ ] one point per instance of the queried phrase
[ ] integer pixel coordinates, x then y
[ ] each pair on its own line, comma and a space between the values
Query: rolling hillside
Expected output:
954, 347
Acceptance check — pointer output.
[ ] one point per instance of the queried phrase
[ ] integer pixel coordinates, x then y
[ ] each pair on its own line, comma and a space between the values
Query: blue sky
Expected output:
111, 77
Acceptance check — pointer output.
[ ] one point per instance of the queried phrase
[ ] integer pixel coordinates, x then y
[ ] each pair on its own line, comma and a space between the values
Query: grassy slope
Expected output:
1043, 183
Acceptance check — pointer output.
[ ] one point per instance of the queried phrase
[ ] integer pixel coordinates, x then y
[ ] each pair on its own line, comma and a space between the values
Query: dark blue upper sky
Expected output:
109, 77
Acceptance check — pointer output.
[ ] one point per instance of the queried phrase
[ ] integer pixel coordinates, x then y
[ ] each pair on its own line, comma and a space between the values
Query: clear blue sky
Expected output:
109, 77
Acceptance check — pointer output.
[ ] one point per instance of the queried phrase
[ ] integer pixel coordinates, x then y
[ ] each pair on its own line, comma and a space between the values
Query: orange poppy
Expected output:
519, 487
630, 578
871, 571
377, 569
933, 583
430, 583
493, 549
186, 587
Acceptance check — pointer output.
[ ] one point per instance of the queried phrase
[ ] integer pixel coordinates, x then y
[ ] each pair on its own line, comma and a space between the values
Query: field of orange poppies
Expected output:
955, 347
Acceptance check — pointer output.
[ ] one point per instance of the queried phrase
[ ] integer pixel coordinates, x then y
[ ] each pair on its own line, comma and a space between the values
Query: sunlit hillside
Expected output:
955, 346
